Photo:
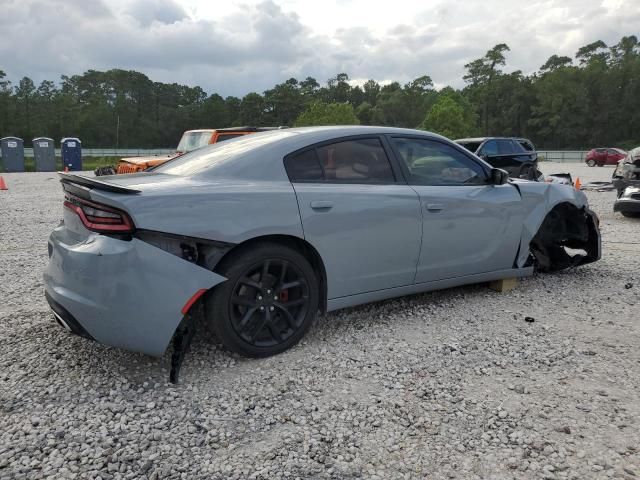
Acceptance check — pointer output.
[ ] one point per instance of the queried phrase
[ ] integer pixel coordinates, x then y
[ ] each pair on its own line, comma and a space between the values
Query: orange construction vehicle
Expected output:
191, 140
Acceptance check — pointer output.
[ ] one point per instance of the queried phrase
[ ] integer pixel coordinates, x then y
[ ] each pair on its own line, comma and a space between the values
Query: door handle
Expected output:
434, 207
321, 204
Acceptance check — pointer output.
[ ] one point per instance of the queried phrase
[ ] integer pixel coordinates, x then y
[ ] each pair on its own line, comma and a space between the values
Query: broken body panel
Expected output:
103, 282
627, 173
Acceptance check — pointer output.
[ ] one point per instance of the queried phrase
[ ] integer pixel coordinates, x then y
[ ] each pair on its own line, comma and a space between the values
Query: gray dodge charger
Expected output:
255, 236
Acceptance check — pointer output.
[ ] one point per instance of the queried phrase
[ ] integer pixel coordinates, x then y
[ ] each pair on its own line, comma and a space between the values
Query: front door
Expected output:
365, 224
469, 226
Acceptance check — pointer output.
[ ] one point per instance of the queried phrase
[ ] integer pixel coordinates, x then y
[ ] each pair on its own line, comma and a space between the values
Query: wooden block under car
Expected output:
504, 285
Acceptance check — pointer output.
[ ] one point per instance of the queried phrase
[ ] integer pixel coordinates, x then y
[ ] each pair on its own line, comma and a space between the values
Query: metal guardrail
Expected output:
114, 152
563, 156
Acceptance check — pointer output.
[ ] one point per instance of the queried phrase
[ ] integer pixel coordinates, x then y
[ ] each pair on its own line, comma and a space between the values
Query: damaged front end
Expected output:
569, 236
627, 173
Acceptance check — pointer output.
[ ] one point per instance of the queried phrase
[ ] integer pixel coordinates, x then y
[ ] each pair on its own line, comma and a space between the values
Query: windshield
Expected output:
218, 153
471, 146
193, 140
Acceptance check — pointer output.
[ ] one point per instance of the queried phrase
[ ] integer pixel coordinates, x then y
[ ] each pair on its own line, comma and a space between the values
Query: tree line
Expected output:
590, 100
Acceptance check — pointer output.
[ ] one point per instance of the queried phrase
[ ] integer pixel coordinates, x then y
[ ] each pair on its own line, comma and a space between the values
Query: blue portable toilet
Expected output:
71, 152
12, 154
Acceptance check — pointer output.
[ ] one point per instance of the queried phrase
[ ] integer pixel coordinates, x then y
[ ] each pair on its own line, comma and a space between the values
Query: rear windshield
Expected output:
193, 140
526, 145
471, 146
228, 136
205, 158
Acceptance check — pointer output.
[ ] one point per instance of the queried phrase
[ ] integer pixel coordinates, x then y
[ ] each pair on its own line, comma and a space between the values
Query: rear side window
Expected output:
505, 147
304, 167
526, 145
351, 161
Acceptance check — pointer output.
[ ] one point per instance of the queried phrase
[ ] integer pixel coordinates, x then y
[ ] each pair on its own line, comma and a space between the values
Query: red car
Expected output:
604, 156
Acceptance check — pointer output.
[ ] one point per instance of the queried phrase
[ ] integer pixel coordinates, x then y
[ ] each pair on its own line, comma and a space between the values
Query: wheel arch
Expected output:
296, 243
570, 225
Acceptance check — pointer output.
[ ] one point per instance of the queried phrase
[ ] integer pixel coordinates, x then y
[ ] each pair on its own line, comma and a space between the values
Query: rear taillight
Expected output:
98, 217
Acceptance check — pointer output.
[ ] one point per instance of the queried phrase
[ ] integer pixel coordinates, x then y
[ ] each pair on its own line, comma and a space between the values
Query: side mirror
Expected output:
498, 176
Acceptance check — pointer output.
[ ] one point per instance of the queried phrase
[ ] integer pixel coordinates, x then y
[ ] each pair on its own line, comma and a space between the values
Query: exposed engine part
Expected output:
567, 237
189, 252
100, 171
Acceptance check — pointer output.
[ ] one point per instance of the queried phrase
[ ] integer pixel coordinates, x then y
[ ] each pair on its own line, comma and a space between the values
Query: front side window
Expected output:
489, 149
433, 163
350, 161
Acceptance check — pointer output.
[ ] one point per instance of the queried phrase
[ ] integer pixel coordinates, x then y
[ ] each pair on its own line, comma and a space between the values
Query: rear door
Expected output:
469, 227
365, 221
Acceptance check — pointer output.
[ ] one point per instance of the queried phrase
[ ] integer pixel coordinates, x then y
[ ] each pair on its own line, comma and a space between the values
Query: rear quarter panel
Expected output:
228, 211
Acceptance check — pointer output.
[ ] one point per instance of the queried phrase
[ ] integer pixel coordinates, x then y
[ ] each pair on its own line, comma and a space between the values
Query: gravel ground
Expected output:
450, 384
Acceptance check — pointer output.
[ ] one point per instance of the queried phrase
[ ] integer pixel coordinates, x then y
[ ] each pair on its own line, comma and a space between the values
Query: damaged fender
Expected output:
554, 195
126, 294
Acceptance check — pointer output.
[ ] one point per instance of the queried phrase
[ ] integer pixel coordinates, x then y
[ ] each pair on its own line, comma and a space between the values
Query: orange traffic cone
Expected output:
3, 186
577, 185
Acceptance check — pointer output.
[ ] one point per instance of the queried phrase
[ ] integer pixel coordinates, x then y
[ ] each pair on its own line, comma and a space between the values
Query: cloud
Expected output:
252, 46
164, 11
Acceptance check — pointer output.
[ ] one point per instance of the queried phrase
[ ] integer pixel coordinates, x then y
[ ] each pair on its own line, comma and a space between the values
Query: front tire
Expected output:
591, 162
267, 304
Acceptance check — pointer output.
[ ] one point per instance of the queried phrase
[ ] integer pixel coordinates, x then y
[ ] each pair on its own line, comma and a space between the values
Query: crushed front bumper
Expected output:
123, 293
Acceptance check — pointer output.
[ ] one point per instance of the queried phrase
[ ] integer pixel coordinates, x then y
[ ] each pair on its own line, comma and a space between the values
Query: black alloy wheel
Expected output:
268, 302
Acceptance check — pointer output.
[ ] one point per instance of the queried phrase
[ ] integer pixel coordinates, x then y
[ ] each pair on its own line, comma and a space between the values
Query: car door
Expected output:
612, 156
469, 226
364, 221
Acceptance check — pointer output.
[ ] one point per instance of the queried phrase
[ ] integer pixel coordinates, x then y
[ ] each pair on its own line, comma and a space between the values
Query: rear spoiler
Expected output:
94, 183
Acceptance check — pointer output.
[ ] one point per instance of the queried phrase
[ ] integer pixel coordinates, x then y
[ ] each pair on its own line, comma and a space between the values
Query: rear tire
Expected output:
267, 304
631, 214
601, 164
591, 162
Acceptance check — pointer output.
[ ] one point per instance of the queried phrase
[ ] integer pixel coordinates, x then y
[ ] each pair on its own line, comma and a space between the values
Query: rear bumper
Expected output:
65, 319
126, 294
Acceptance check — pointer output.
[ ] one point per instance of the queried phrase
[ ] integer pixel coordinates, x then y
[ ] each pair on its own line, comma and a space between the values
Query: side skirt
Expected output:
352, 300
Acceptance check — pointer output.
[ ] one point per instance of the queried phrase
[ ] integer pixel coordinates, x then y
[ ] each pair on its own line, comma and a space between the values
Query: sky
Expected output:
233, 48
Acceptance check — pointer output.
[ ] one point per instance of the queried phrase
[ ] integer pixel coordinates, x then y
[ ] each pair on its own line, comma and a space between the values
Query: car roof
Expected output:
234, 129
249, 129
482, 139
259, 156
